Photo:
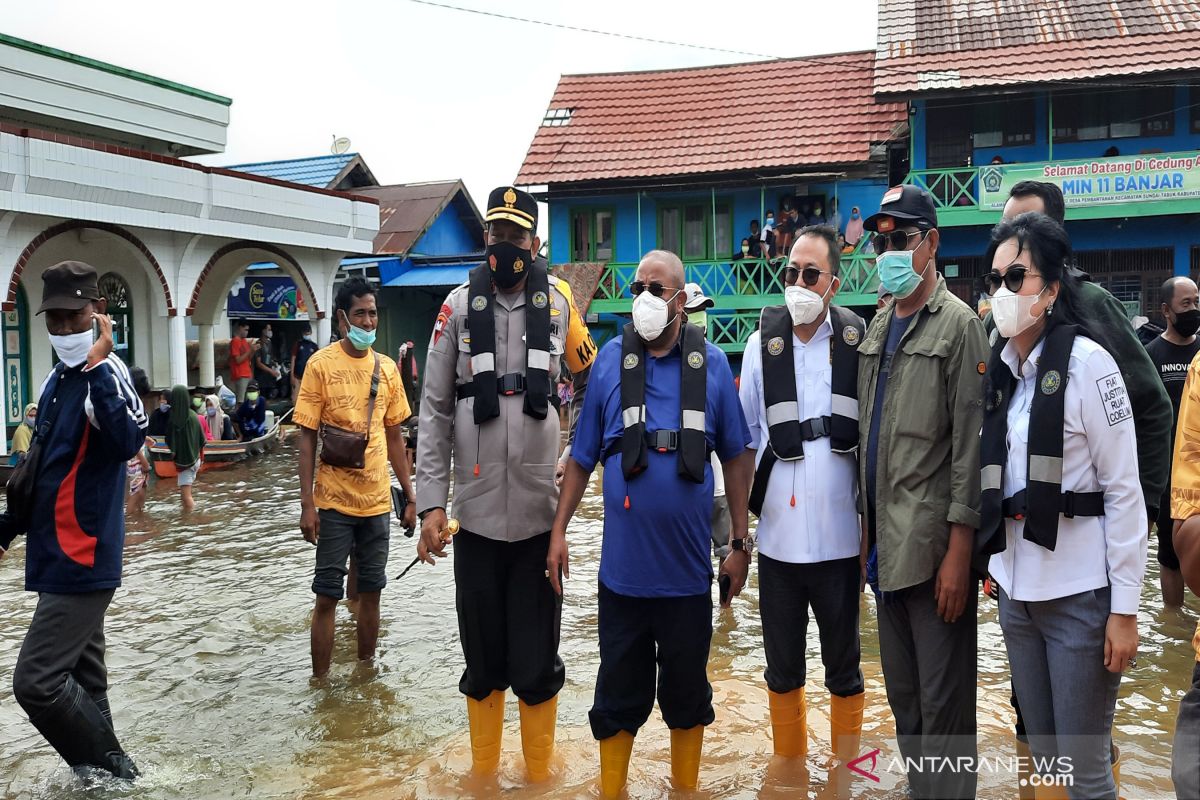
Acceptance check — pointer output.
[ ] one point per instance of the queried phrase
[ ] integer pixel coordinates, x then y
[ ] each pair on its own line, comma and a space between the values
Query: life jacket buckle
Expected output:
1068, 505
512, 383
663, 441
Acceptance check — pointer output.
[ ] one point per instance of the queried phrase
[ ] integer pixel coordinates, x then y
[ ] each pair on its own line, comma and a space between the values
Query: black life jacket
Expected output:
689, 441
787, 433
1042, 500
485, 385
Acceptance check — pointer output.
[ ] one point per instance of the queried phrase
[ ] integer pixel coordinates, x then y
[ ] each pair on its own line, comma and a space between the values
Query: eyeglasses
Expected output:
810, 275
1013, 279
895, 240
654, 287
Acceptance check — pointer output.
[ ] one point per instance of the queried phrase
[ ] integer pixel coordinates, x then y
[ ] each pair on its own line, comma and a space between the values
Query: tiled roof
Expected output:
321, 171
960, 44
757, 116
407, 210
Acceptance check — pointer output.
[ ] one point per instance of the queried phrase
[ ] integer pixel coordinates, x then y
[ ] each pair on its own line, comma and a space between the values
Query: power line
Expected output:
595, 31
1008, 80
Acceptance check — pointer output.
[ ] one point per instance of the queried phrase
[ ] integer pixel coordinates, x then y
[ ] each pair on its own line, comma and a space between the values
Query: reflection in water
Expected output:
208, 653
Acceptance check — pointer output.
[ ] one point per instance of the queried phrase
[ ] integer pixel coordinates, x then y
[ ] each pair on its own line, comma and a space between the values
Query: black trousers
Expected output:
785, 593
508, 617
61, 680
930, 670
642, 636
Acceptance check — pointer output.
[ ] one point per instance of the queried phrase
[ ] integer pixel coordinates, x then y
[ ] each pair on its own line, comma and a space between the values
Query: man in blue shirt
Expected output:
92, 423
663, 399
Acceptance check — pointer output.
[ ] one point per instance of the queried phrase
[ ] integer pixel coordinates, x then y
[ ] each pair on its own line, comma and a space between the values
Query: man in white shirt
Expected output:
799, 394
696, 304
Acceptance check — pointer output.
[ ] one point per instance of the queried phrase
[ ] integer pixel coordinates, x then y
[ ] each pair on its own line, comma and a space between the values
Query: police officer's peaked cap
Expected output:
69, 286
511, 204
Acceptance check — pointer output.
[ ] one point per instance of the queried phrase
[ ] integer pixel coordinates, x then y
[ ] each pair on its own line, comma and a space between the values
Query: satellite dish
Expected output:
340, 145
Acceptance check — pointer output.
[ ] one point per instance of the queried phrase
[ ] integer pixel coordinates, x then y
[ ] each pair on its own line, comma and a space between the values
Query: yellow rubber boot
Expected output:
537, 736
1024, 771
845, 725
686, 745
614, 763
789, 722
486, 719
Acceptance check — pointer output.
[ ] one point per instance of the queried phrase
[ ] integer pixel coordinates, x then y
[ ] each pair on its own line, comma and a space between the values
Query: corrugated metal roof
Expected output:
320, 171
960, 44
407, 210
442, 275
761, 115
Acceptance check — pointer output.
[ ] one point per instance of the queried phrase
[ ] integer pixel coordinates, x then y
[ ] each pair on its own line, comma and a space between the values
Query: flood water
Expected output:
209, 665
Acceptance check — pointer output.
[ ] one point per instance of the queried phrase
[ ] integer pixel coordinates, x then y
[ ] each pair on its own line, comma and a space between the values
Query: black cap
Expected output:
511, 204
907, 203
252, 386
69, 286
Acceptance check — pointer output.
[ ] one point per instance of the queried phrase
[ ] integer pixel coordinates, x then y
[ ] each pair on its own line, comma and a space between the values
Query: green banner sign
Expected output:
1099, 181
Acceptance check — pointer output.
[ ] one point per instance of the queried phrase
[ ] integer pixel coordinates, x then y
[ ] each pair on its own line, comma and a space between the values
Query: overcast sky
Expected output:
423, 93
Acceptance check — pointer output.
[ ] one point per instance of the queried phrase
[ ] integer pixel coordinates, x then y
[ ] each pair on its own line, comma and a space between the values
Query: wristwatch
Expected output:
745, 544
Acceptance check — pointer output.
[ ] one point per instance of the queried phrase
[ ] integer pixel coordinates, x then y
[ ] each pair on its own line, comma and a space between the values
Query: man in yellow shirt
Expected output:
1185, 510
349, 391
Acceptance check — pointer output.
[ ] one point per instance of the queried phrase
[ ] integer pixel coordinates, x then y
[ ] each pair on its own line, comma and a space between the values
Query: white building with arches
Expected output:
91, 169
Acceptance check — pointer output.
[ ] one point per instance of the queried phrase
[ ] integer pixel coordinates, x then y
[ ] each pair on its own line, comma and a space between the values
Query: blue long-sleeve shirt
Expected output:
252, 417
94, 423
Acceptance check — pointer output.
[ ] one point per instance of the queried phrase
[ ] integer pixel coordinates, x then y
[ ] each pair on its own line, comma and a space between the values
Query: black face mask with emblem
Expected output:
508, 263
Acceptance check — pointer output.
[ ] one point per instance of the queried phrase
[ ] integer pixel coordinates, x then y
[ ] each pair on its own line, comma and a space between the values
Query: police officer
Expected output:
800, 396
496, 346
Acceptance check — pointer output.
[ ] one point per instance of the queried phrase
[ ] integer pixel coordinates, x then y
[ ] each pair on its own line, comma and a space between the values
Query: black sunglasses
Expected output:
1012, 280
893, 240
654, 287
810, 275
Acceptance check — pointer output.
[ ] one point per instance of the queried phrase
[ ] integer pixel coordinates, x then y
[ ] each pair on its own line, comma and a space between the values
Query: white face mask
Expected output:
651, 315
1013, 313
804, 304
73, 348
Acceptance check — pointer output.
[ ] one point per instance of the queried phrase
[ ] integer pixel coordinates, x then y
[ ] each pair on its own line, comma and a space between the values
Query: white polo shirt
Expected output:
1099, 454
823, 525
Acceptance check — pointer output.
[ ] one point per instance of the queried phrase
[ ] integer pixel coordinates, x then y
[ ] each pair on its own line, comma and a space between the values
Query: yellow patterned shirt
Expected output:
1185, 462
334, 391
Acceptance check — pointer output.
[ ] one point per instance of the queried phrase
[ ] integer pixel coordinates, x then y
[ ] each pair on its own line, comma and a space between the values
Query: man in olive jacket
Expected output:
920, 380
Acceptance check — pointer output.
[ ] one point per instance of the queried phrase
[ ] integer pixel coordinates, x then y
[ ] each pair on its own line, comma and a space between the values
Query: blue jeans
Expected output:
1067, 697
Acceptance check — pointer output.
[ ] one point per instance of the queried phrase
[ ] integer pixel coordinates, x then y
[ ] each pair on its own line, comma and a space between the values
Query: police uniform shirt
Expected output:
513, 496
823, 524
1099, 454
660, 545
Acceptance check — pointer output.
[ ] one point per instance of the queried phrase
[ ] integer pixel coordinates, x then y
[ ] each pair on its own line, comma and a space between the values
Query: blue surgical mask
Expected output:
164, 407
212, 412
896, 273
358, 337
31, 422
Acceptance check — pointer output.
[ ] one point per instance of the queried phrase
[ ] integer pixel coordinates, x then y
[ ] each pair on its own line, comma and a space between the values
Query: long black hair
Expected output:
1049, 249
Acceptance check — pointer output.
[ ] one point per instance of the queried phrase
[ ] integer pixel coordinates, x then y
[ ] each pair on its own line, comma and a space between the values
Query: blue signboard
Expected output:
267, 298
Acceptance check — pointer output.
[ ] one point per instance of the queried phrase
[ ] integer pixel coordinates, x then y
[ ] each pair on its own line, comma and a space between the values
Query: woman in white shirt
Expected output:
1063, 516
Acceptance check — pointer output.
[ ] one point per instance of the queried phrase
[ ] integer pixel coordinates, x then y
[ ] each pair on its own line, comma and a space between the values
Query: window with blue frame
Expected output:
592, 234
694, 233
1081, 116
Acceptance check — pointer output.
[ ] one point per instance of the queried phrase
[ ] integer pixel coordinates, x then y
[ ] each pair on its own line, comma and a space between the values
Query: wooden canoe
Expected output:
215, 455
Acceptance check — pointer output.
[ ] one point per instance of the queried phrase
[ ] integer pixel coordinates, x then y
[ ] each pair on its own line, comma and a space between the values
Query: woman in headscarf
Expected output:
218, 421
854, 228
186, 439
23, 436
